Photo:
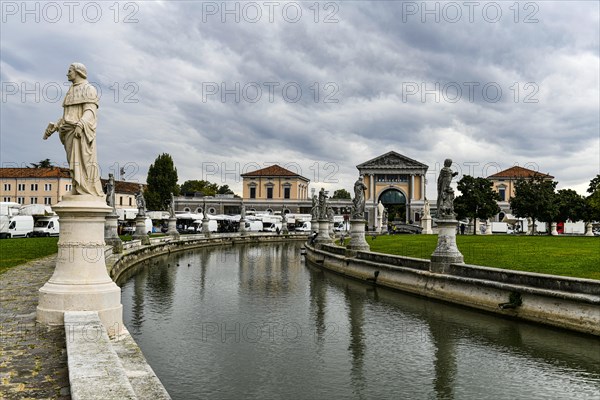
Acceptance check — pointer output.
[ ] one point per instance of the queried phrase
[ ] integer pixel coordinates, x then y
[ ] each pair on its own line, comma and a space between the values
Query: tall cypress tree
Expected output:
162, 180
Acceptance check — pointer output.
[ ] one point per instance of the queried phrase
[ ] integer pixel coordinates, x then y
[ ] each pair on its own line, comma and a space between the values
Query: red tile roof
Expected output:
519, 172
52, 172
274, 171
125, 187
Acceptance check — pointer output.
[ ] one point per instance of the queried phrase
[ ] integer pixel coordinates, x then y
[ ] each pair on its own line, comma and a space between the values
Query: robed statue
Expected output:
314, 211
322, 204
140, 202
110, 191
77, 132
445, 200
358, 203
172, 206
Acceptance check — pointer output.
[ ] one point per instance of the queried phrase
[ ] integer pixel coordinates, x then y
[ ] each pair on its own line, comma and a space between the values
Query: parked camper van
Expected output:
16, 226
46, 226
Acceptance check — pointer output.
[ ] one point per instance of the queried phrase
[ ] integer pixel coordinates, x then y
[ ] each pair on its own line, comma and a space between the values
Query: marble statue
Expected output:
110, 191
315, 208
445, 200
140, 202
322, 204
426, 209
172, 206
330, 214
358, 203
380, 209
243, 212
77, 132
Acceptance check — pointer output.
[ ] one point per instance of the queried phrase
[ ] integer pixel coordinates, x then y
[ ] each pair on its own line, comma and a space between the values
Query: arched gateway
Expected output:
399, 182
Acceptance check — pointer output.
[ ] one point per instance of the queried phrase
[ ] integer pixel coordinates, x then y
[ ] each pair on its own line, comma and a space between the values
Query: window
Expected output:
120, 200
252, 192
130, 201
7, 186
502, 193
21, 187
21, 200
286, 192
34, 187
212, 210
68, 187
47, 187
48, 201
33, 200
6, 199
269, 192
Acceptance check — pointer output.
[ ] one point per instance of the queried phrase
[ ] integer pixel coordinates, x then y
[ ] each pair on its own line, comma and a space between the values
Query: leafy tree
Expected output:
162, 180
570, 205
477, 199
535, 198
341, 194
225, 190
593, 200
45, 163
195, 186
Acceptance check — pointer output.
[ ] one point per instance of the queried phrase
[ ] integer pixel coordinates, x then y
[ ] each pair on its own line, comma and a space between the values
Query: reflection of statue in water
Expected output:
77, 132
358, 203
141, 202
445, 200
172, 206
110, 191
322, 204
315, 208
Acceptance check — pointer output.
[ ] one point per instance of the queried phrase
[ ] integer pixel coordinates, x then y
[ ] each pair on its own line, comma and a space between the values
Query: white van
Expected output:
254, 226
305, 227
46, 226
16, 226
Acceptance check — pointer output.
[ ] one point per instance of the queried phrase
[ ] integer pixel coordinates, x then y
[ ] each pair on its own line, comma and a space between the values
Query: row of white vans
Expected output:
16, 226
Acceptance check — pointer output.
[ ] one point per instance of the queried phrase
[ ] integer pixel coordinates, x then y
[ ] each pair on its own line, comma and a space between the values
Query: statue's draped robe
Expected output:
80, 109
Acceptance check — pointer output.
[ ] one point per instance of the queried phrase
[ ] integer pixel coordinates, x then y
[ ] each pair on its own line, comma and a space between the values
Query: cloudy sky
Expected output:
317, 87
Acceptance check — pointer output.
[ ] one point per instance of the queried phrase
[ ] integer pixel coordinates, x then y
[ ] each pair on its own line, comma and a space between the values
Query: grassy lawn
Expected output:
19, 251
563, 255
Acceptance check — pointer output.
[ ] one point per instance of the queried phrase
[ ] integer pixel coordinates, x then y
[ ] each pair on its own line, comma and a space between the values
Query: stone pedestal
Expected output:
242, 229
426, 225
80, 281
205, 228
589, 229
357, 235
172, 228
314, 225
488, 227
111, 235
446, 252
140, 230
553, 230
323, 229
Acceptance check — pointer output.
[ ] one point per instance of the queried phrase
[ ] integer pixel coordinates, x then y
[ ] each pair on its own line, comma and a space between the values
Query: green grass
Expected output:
19, 251
565, 255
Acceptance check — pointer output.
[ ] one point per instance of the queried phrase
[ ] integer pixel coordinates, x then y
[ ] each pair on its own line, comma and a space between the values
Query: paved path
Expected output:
33, 358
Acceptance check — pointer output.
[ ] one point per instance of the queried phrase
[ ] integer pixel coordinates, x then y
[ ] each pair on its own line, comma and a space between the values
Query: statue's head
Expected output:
77, 69
110, 176
447, 162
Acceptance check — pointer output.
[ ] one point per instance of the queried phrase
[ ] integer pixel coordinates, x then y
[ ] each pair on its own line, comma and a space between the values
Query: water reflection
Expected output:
254, 322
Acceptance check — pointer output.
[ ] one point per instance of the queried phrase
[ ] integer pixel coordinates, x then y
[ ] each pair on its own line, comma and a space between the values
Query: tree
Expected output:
535, 198
477, 199
162, 181
341, 194
225, 190
593, 200
195, 186
45, 163
570, 205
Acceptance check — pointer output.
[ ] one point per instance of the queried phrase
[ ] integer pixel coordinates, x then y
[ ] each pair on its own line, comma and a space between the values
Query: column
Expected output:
423, 187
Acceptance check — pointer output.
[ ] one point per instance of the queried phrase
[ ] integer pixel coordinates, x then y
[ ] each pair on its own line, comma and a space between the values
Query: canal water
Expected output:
256, 322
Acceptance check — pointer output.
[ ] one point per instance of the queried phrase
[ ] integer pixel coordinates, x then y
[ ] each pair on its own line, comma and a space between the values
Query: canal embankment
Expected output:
563, 302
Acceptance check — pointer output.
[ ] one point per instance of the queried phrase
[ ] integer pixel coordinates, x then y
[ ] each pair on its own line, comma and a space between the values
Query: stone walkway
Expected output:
33, 358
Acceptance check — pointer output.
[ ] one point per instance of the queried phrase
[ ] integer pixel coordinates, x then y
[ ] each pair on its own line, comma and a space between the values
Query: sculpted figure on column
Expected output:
110, 191
77, 132
140, 202
445, 200
172, 206
358, 203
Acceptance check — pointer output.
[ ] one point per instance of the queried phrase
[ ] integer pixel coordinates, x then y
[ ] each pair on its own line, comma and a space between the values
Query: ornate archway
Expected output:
395, 203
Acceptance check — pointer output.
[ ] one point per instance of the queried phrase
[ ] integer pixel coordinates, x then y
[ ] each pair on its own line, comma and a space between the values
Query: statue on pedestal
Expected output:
314, 211
77, 132
140, 202
110, 191
322, 204
358, 203
445, 200
172, 206
243, 212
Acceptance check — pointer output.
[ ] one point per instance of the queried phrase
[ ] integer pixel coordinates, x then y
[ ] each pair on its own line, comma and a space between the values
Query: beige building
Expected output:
34, 185
504, 184
274, 183
398, 182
